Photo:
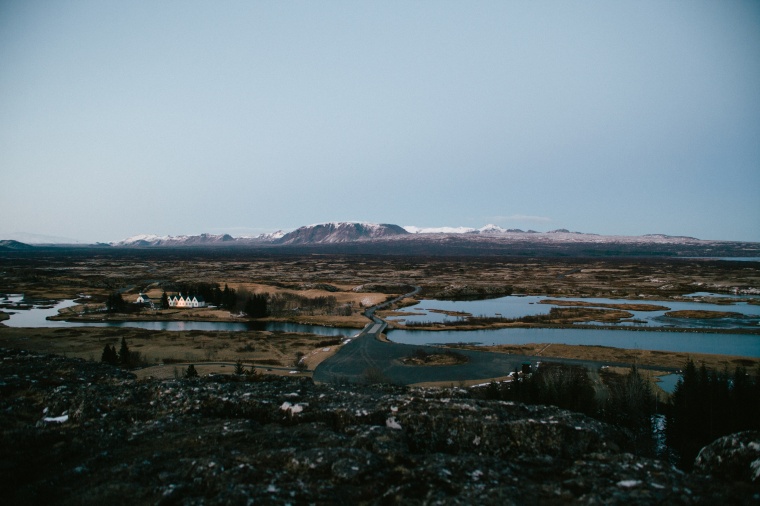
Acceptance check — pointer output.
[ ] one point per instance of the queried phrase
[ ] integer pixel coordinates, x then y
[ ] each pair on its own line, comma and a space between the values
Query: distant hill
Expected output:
11, 245
37, 239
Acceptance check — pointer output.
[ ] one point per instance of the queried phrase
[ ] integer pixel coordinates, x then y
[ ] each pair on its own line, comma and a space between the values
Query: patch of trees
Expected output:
708, 404
225, 298
256, 306
564, 386
288, 304
115, 303
705, 405
124, 357
631, 403
627, 401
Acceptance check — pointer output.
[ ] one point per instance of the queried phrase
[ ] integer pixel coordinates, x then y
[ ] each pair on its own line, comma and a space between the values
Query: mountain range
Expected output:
356, 237
347, 232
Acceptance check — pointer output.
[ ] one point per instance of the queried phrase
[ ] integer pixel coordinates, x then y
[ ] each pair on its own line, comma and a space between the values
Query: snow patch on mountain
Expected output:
271, 236
179, 240
438, 230
491, 229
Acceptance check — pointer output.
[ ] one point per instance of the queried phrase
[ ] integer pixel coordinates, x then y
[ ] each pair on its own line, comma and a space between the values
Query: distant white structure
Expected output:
189, 301
144, 299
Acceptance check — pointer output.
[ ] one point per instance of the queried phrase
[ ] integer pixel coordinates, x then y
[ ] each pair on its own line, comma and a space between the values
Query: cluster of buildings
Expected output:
174, 300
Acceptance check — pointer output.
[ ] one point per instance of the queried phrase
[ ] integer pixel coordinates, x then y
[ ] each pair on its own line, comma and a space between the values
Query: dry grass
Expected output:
268, 349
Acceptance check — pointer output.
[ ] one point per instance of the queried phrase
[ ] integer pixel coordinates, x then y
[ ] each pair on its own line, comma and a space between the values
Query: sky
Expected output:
244, 117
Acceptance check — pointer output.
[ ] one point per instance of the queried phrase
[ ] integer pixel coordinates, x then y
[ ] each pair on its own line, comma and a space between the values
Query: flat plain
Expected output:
354, 281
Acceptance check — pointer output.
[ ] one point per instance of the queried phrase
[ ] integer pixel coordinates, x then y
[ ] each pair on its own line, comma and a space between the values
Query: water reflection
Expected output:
668, 382
37, 317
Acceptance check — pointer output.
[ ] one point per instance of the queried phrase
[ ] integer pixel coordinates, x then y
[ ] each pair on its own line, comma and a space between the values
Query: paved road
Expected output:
366, 355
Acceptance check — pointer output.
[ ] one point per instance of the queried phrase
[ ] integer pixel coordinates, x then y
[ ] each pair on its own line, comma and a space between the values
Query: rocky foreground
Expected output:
76, 432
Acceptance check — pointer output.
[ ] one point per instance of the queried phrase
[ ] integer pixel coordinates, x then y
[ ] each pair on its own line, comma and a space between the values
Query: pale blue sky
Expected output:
180, 117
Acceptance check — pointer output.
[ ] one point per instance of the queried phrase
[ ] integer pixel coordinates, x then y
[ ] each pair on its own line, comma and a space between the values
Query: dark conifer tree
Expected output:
109, 355
191, 372
707, 405
164, 301
256, 306
124, 353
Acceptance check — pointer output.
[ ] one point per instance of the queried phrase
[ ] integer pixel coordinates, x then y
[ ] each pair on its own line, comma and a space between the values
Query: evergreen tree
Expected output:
164, 301
124, 358
239, 368
707, 405
631, 405
229, 298
256, 306
115, 303
191, 373
109, 355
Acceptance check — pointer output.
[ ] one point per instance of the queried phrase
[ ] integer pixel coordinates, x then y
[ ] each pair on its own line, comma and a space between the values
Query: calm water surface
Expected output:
37, 317
694, 342
516, 306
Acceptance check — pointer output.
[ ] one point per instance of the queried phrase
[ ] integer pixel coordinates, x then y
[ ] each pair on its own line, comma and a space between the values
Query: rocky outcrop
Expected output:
76, 432
733, 457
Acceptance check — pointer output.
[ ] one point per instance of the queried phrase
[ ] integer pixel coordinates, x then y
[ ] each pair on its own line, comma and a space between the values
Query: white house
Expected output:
189, 301
144, 299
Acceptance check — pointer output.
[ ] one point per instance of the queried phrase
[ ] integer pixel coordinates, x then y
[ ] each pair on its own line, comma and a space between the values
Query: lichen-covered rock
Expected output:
735, 457
76, 432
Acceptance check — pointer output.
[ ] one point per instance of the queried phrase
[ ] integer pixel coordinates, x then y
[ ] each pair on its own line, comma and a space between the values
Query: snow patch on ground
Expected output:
291, 409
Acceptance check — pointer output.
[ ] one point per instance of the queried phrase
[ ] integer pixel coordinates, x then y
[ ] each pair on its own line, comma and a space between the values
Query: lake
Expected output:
37, 317
517, 306
695, 342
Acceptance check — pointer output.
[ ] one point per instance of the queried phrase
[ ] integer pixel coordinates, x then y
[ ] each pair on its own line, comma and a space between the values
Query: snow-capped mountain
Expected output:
488, 240
491, 229
338, 232
144, 240
273, 236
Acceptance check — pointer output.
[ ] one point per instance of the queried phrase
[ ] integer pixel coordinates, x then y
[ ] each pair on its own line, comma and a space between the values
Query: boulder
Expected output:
733, 457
